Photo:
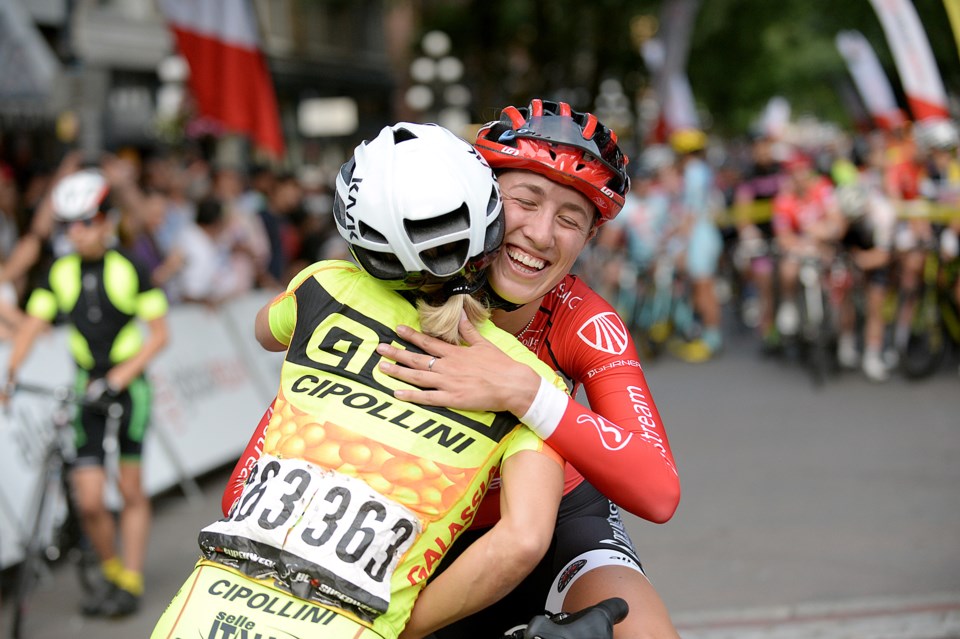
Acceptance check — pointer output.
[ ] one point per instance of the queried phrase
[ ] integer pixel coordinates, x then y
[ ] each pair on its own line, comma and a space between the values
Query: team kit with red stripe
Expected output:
621, 459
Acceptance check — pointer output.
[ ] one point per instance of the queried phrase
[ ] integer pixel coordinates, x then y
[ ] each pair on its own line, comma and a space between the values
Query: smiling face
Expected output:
547, 226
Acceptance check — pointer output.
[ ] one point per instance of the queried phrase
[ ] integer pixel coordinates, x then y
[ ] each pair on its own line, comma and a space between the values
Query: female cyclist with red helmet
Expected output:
562, 175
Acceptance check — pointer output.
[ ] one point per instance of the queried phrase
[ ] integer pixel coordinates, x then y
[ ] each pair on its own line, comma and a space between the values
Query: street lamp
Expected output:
437, 92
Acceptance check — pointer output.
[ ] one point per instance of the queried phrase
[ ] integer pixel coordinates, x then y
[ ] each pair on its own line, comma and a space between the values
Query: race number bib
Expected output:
325, 536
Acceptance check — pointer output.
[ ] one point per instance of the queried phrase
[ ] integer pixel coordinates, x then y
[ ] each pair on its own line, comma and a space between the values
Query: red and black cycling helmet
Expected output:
567, 146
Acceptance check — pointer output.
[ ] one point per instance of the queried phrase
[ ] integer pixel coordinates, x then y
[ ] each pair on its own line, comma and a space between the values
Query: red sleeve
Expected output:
246, 463
781, 218
618, 444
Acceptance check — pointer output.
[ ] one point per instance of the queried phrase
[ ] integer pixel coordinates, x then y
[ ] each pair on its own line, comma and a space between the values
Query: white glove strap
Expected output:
547, 409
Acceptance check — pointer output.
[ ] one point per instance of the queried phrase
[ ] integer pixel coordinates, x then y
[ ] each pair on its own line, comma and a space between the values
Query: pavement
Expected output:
830, 513
929, 616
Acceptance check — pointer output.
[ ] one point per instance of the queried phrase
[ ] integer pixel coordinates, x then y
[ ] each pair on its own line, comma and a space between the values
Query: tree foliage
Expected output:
743, 52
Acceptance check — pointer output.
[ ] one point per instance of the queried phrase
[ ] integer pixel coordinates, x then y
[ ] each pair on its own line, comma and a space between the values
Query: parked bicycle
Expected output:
54, 529
825, 283
935, 327
663, 313
593, 622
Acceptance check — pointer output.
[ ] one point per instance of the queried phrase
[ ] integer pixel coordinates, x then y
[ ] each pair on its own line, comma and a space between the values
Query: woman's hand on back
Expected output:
475, 376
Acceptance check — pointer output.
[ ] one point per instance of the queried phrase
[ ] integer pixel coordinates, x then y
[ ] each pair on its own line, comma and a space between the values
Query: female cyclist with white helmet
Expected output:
562, 175
355, 496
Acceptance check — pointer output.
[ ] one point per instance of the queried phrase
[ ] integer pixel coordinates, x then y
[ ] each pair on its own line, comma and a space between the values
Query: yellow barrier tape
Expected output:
762, 211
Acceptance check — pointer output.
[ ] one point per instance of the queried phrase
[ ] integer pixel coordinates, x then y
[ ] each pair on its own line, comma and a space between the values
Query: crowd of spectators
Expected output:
207, 233
726, 217
884, 201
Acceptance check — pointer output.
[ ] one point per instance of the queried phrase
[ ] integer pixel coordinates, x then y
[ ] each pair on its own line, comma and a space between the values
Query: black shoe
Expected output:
120, 603
114, 602
99, 593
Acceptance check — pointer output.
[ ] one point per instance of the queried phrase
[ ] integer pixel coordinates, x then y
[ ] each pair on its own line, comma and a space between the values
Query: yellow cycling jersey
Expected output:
357, 495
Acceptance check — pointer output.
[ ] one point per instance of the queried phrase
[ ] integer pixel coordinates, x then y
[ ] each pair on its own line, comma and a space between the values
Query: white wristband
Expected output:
547, 409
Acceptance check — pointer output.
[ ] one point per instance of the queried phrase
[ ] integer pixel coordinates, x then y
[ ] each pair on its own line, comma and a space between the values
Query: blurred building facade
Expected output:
88, 72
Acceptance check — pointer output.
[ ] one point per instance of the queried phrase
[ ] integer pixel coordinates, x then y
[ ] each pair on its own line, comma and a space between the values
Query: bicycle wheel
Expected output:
924, 351
816, 335
49, 511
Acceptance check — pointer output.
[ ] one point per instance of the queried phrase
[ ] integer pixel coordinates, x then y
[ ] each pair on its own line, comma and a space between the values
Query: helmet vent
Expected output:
456, 221
383, 266
369, 233
402, 135
446, 259
494, 200
339, 211
346, 171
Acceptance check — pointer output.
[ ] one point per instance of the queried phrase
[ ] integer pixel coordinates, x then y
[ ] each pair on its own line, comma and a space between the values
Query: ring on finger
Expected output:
433, 360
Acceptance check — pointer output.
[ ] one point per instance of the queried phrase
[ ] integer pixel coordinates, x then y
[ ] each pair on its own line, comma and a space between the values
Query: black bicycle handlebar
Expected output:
593, 622
65, 394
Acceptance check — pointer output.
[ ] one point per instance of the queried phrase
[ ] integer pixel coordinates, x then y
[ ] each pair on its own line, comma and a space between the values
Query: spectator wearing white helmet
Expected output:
941, 138
104, 295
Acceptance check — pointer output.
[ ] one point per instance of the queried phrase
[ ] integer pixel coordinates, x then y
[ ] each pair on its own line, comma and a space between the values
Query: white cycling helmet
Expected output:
418, 205
853, 200
937, 134
80, 196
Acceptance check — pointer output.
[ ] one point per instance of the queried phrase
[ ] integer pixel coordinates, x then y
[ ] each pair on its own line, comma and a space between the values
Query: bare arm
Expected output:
122, 177
24, 255
27, 250
23, 341
261, 329
493, 565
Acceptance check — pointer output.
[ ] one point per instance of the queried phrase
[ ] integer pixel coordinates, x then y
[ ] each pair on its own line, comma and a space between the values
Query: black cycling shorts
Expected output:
588, 525
90, 424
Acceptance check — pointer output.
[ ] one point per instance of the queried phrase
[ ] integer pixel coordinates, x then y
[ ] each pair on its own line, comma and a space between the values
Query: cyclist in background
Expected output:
647, 207
871, 223
760, 184
562, 174
354, 497
941, 138
643, 223
903, 181
103, 295
806, 219
703, 243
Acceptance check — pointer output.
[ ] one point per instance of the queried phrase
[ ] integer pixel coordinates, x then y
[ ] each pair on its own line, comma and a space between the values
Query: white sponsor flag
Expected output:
666, 58
916, 66
872, 83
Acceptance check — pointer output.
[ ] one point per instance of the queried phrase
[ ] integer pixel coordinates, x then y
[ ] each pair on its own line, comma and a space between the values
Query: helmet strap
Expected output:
463, 285
493, 301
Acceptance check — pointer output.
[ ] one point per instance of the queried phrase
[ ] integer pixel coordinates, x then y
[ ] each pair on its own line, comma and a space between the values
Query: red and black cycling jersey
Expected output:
618, 444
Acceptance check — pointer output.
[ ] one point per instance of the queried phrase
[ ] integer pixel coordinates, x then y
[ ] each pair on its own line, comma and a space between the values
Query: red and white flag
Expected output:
871, 81
666, 59
916, 65
229, 78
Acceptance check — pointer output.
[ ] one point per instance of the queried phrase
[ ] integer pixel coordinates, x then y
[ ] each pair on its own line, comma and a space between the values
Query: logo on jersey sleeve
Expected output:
611, 436
605, 332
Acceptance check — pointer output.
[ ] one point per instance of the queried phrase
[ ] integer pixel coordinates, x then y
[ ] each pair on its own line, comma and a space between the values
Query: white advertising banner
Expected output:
913, 57
25, 430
